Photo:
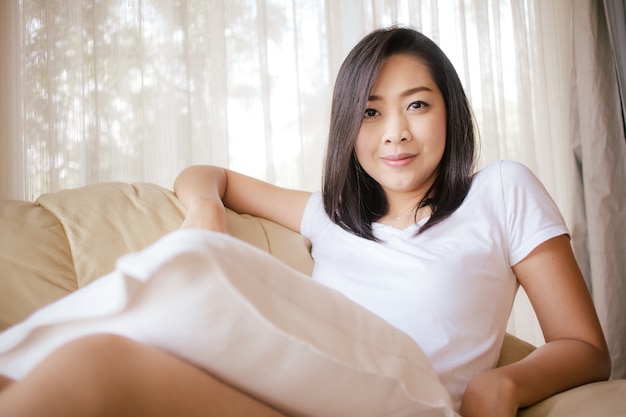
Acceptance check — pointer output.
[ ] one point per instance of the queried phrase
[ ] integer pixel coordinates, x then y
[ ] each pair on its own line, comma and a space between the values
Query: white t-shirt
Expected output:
450, 288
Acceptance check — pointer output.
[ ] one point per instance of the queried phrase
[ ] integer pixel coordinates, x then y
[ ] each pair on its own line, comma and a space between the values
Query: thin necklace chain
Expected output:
397, 218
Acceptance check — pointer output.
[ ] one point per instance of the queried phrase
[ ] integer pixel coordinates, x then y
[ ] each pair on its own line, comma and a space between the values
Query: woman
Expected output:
404, 227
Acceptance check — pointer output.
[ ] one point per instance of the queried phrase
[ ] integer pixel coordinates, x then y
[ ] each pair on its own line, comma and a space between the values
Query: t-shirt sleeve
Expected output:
314, 219
532, 216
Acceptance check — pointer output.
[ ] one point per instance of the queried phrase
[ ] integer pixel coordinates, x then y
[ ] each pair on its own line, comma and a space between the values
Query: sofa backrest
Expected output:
65, 240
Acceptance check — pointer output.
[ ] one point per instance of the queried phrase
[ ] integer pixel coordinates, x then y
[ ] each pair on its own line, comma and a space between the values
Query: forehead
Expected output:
400, 72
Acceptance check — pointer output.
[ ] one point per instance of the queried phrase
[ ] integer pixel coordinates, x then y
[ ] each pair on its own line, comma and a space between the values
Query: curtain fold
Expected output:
600, 161
615, 11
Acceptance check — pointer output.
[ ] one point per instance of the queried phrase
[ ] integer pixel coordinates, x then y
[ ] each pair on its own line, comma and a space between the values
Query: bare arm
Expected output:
575, 352
205, 190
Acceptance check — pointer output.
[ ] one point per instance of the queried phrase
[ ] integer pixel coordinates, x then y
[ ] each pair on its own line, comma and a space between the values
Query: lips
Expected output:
398, 160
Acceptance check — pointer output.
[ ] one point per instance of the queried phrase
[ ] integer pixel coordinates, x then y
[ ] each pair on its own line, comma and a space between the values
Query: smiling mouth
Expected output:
398, 160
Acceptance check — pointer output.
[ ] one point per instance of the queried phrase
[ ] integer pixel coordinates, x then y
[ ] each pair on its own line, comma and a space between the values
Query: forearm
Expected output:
555, 367
552, 368
575, 352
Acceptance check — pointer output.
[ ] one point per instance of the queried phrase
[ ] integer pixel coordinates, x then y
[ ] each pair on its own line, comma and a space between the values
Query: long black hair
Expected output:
353, 199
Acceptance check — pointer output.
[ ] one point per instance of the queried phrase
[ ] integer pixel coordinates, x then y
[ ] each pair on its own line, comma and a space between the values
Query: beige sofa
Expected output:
65, 240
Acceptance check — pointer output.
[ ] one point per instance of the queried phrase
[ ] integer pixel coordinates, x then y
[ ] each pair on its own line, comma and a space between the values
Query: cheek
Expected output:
361, 145
433, 134
439, 137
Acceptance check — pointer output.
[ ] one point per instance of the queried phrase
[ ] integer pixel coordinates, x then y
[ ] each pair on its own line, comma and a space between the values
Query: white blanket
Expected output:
249, 319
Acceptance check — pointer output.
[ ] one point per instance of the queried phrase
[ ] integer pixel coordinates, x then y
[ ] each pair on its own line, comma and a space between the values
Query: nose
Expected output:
397, 129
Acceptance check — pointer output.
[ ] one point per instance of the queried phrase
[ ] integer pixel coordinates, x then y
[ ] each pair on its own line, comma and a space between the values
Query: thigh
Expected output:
112, 375
4, 382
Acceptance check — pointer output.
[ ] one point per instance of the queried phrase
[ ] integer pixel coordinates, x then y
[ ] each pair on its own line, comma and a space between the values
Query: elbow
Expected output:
592, 363
605, 366
600, 364
604, 360
194, 175
183, 176
200, 182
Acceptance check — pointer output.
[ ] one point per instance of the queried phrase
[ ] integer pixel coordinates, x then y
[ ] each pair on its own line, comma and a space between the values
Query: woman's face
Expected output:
403, 133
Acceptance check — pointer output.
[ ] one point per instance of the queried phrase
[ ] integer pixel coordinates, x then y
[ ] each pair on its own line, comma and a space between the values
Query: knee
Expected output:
96, 359
96, 347
89, 370
4, 382
97, 344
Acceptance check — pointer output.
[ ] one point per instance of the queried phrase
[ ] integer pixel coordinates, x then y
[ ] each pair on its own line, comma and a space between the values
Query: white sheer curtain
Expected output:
135, 90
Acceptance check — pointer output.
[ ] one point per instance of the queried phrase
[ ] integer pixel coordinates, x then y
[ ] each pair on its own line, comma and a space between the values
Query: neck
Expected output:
402, 216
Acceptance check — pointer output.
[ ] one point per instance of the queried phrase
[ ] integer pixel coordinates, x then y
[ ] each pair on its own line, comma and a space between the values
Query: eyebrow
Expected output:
406, 93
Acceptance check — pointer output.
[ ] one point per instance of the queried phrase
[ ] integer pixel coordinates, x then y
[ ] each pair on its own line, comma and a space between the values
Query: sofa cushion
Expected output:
105, 221
67, 239
35, 268
600, 399
513, 349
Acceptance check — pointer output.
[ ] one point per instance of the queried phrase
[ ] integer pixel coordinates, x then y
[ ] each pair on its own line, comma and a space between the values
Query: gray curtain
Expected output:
615, 11
599, 149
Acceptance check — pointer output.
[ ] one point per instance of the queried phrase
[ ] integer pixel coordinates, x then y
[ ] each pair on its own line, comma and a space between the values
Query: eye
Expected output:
369, 113
418, 105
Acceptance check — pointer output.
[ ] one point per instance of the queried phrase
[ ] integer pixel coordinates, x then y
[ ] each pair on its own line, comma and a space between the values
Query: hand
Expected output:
489, 394
206, 214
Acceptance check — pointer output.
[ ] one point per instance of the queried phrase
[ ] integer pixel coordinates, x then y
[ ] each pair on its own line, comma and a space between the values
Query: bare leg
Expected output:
108, 375
5, 382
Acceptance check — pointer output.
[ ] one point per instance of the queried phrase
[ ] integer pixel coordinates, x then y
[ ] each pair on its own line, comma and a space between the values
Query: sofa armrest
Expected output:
35, 266
513, 349
600, 399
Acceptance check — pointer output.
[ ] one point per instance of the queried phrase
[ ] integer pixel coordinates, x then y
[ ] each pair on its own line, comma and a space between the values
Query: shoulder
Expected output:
315, 205
512, 188
506, 176
530, 215
314, 218
506, 169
